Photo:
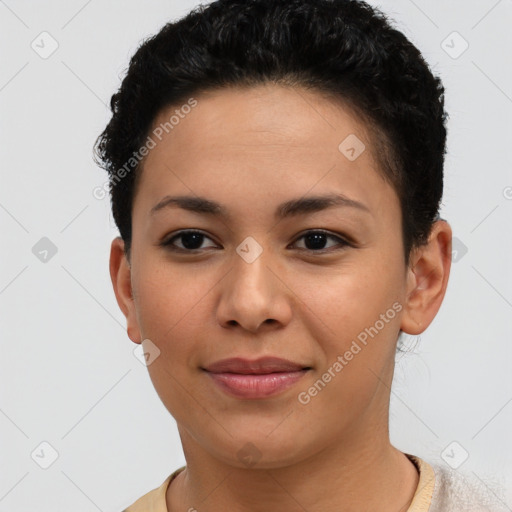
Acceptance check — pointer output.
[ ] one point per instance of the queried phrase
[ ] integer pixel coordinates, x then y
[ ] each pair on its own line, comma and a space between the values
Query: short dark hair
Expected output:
344, 49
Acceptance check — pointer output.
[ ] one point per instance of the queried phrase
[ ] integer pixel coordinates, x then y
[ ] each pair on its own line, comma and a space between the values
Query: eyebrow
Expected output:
300, 206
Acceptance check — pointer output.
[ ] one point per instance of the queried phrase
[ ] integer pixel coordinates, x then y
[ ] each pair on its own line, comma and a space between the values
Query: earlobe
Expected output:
427, 279
120, 274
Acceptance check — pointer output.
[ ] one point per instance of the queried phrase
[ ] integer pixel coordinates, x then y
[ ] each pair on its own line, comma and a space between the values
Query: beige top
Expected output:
154, 501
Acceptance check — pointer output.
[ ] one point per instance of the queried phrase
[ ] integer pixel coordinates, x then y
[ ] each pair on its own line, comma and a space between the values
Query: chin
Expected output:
260, 450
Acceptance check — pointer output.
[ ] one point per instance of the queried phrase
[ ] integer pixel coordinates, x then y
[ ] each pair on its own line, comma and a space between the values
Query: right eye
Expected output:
191, 241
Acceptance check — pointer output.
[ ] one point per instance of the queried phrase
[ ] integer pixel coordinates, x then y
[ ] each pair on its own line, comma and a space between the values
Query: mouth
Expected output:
261, 378
263, 365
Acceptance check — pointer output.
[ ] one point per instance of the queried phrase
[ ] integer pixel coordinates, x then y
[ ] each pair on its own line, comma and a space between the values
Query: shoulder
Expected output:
456, 491
154, 501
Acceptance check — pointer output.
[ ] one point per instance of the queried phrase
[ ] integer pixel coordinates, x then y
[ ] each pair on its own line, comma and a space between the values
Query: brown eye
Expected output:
190, 240
315, 241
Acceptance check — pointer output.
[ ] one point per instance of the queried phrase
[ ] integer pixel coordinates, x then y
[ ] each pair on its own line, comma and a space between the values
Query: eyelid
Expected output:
326, 232
344, 241
166, 242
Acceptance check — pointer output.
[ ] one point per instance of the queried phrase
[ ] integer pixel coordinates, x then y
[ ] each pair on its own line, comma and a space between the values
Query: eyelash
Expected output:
168, 244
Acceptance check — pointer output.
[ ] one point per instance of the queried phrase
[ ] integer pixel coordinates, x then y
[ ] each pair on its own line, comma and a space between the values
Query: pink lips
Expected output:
255, 379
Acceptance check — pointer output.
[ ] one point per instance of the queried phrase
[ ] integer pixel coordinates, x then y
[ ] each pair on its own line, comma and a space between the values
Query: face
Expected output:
322, 284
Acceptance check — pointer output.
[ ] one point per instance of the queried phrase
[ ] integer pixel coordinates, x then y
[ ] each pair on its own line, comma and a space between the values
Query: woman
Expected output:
276, 172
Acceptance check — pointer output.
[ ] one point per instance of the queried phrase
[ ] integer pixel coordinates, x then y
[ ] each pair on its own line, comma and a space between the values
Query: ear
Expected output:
427, 279
120, 274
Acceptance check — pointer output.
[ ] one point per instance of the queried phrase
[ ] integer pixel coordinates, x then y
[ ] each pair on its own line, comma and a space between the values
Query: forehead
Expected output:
269, 140
262, 117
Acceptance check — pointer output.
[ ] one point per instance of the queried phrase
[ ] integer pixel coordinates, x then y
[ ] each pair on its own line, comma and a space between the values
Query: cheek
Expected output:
166, 297
172, 314
351, 299
357, 343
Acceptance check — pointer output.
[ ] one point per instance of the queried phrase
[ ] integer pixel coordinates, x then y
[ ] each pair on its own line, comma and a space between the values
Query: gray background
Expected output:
68, 373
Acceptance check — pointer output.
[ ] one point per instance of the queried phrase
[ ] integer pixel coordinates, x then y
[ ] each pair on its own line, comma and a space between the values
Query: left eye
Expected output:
315, 241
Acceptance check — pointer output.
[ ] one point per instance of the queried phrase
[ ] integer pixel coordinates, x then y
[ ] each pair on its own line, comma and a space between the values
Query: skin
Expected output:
250, 150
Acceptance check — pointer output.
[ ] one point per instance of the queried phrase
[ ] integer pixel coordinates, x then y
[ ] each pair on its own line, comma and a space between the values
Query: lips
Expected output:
260, 366
259, 379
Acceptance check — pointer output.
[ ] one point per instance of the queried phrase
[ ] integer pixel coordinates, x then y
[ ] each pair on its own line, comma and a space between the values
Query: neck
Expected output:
354, 476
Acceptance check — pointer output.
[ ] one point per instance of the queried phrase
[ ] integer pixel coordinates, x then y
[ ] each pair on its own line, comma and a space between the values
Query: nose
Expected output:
254, 296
